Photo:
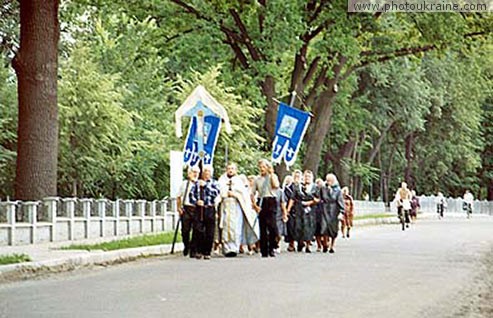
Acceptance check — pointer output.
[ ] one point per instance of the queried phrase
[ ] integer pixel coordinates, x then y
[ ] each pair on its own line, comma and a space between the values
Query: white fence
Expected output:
428, 204
70, 219
369, 207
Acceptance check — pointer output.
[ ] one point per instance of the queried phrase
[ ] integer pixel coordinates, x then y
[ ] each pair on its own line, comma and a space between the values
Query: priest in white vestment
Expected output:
238, 221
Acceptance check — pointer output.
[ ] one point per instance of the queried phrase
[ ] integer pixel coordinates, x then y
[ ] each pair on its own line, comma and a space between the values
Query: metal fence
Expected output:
70, 219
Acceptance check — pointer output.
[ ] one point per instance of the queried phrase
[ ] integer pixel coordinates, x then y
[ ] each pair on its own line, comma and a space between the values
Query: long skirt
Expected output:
329, 224
304, 224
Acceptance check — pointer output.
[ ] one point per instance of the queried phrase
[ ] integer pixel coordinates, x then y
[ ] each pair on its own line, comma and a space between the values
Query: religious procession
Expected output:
255, 213
241, 214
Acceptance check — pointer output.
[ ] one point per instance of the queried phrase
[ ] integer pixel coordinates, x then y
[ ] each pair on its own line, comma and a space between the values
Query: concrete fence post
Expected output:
164, 206
52, 203
86, 211
141, 209
129, 204
153, 215
32, 215
116, 215
11, 211
70, 209
101, 206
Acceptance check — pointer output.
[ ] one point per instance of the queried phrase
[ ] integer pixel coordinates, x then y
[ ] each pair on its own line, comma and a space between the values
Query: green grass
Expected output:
138, 241
14, 258
373, 216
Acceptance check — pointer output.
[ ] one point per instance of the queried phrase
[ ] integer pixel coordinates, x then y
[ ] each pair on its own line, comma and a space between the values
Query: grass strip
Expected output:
14, 258
137, 241
373, 216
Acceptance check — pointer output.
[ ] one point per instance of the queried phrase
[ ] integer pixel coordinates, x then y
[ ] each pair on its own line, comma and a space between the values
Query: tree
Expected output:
36, 64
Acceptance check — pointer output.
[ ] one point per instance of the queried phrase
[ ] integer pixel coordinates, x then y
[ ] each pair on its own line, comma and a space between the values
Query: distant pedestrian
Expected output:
203, 195
415, 205
347, 220
403, 200
441, 204
468, 201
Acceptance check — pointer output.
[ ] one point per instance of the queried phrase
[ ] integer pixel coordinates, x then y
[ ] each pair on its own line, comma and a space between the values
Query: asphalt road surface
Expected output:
434, 269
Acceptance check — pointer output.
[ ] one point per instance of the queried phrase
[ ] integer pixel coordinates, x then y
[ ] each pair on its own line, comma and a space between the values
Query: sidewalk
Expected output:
49, 258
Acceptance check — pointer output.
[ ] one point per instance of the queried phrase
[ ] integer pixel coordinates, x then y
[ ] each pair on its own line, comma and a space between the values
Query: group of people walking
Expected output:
243, 214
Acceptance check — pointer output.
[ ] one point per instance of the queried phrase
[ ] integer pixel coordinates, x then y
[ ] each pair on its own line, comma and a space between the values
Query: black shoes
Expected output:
331, 251
185, 251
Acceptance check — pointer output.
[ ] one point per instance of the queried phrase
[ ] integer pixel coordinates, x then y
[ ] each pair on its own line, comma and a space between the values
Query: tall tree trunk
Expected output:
269, 91
320, 125
490, 192
408, 173
318, 130
36, 65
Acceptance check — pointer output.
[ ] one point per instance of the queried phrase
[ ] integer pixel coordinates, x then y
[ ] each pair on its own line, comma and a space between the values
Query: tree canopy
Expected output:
395, 97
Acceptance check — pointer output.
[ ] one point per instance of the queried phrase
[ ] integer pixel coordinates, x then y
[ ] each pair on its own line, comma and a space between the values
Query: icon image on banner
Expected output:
288, 126
207, 130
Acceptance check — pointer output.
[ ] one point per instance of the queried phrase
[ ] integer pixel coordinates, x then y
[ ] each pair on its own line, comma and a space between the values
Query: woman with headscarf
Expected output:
333, 206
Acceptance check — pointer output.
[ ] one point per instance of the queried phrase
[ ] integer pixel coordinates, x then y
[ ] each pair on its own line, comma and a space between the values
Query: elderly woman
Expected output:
333, 205
305, 199
347, 221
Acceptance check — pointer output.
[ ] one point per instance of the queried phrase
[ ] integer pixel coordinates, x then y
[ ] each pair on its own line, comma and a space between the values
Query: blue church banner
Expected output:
291, 126
205, 143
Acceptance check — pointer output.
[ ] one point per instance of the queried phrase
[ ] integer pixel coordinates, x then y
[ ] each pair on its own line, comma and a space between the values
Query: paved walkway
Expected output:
430, 270
50, 256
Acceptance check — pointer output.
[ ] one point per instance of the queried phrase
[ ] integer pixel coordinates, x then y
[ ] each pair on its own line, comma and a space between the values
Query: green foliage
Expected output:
8, 129
14, 258
94, 136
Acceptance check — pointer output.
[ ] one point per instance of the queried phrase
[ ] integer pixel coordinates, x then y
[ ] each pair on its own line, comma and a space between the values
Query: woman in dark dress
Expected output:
318, 216
289, 191
333, 205
305, 199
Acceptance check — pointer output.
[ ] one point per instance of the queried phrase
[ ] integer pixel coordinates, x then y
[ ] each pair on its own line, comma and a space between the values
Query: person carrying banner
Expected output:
186, 211
236, 216
333, 206
266, 185
306, 197
203, 196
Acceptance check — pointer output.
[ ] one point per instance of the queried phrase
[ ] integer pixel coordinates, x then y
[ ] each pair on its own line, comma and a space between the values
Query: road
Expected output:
435, 269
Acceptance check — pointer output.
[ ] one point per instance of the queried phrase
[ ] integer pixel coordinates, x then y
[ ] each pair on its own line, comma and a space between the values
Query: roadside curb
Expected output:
20, 271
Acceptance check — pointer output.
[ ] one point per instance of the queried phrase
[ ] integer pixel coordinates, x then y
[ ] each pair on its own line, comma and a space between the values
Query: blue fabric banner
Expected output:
291, 126
197, 143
